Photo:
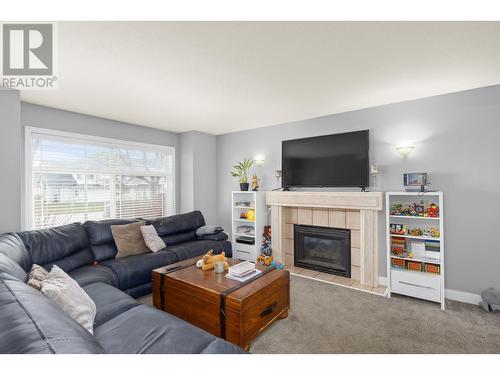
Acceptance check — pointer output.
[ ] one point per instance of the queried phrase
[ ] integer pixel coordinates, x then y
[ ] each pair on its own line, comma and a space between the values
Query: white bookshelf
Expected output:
257, 201
424, 285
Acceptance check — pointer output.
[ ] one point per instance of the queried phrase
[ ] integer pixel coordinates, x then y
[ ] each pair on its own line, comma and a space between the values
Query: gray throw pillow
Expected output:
128, 239
67, 294
36, 276
151, 238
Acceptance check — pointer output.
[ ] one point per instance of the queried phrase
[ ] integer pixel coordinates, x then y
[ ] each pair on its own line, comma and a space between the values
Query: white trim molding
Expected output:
466, 297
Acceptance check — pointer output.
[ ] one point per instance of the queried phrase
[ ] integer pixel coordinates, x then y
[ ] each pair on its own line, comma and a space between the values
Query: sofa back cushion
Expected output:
67, 246
101, 239
15, 260
32, 324
178, 228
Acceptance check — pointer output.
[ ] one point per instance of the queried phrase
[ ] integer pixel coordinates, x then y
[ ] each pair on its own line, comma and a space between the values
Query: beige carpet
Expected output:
325, 318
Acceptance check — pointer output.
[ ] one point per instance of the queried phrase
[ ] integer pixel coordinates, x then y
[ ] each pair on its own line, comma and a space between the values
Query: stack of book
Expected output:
242, 271
432, 250
398, 246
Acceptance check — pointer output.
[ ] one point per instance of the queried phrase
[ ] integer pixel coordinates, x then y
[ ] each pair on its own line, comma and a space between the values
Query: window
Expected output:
74, 178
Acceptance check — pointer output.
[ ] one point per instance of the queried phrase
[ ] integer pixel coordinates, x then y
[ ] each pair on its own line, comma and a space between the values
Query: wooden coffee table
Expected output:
237, 312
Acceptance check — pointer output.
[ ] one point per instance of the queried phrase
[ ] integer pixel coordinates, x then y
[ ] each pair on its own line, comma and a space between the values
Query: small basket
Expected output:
398, 263
432, 268
415, 266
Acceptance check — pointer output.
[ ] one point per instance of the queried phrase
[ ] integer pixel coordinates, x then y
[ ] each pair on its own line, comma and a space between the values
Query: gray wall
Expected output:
10, 161
51, 118
198, 174
457, 141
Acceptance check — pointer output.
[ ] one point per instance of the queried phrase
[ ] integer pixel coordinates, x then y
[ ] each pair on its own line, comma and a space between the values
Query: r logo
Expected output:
27, 49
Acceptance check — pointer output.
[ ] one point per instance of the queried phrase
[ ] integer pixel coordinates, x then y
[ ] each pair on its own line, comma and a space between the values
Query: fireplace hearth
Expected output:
323, 249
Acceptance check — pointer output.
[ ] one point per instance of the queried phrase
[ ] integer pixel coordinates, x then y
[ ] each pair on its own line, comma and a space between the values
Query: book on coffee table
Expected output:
244, 278
241, 269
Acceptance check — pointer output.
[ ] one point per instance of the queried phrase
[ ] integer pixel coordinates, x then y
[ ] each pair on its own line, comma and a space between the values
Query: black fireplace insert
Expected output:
323, 249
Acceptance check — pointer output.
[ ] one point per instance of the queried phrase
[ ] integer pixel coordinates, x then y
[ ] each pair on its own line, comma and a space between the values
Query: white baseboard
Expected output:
454, 295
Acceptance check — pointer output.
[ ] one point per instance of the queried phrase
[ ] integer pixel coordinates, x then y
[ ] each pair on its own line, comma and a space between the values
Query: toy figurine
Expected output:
255, 183
396, 209
427, 232
435, 232
265, 260
433, 210
415, 231
265, 247
209, 260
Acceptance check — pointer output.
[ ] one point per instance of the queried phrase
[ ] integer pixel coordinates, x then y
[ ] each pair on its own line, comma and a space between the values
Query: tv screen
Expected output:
336, 160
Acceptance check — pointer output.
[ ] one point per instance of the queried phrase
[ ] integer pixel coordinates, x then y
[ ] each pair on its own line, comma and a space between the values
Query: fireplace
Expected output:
323, 249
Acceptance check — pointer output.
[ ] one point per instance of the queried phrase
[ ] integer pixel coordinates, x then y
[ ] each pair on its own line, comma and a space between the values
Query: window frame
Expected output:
27, 184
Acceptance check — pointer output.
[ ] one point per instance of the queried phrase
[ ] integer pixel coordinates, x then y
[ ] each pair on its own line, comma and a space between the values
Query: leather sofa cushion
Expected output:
176, 238
101, 239
110, 302
136, 269
177, 224
144, 329
67, 246
32, 324
140, 290
95, 273
196, 248
221, 236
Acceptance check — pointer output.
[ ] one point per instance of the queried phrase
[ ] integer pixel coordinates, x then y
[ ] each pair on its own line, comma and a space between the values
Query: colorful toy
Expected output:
277, 265
265, 260
209, 260
435, 232
400, 229
396, 209
433, 210
265, 247
251, 215
415, 232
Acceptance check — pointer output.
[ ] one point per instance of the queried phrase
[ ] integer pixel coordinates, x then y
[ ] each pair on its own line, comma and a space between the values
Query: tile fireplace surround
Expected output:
356, 211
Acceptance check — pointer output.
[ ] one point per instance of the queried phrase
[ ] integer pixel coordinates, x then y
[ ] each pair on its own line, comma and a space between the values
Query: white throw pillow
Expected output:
67, 294
151, 238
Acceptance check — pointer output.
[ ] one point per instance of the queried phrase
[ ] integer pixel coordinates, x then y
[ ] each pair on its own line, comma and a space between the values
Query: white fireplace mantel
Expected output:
366, 203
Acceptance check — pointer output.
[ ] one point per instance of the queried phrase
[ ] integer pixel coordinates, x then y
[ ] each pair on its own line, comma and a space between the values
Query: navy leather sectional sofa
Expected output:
31, 323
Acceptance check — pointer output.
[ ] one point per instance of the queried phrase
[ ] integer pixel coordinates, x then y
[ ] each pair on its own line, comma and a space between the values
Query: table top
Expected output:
187, 272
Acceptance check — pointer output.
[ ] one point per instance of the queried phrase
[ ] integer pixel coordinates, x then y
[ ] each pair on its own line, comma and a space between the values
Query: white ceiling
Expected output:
220, 77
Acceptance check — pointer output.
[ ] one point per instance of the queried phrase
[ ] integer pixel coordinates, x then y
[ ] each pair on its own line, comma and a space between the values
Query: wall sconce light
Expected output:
259, 160
374, 170
405, 150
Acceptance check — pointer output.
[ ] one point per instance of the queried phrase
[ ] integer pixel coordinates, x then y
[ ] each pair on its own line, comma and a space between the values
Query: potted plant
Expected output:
241, 170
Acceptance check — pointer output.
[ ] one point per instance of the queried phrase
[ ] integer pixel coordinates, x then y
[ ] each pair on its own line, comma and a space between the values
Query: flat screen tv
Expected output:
336, 160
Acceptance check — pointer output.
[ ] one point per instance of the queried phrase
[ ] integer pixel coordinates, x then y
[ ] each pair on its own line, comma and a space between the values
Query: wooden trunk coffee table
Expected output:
237, 312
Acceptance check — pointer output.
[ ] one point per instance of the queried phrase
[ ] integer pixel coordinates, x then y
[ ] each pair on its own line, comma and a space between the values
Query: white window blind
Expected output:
78, 178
